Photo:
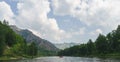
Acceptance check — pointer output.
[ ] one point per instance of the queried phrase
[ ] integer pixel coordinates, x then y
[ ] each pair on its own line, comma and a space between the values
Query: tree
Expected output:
10, 38
101, 44
19, 48
90, 47
2, 45
117, 39
109, 44
2, 39
5, 22
10, 41
83, 50
32, 49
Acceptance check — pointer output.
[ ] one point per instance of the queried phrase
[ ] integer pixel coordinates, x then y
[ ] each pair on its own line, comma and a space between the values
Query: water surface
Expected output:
64, 59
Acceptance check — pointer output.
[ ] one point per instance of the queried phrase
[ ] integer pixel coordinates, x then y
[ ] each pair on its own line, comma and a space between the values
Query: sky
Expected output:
63, 21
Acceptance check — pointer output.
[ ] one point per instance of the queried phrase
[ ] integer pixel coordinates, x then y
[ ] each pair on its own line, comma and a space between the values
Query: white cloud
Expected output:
6, 12
81, 31
64, 7
96, 32
32, 14
103, 13
99, 31
98, 15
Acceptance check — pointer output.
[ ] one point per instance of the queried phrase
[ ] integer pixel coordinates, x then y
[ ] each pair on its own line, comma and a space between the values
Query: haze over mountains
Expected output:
45, 44
30, 37
65, 45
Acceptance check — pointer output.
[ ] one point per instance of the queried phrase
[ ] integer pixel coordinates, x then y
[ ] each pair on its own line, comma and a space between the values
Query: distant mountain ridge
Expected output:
65, 45
30, 37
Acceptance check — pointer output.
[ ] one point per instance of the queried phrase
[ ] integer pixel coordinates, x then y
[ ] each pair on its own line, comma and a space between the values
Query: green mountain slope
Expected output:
14, 45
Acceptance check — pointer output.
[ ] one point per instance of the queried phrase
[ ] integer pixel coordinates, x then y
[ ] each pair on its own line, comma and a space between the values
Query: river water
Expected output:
64, 59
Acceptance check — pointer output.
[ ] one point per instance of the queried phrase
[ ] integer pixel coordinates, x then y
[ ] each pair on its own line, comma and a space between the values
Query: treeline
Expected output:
12, 44
103, 45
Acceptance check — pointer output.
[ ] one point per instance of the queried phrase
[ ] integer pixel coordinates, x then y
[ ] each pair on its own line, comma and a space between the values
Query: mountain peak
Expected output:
15, 28
30, 37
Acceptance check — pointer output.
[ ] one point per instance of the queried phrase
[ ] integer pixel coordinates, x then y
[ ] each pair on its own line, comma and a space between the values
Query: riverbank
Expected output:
10, 58
19, 57
16, 57
105, 56
102, 56
113, 55
64, 59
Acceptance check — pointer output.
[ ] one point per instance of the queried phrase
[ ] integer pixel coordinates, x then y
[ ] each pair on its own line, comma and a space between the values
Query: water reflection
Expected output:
64, 59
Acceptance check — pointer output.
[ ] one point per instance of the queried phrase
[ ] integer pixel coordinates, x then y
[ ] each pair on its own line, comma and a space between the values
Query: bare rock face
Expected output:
30, 37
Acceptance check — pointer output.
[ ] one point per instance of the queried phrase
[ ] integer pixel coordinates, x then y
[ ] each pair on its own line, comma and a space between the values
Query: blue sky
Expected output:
13, 5
63, 20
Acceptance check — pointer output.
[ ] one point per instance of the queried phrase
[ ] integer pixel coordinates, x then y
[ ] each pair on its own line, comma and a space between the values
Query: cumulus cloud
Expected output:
91, 12
64, 7
6, 12
32, 14
81, 31
97, 15
101, 14
96, 32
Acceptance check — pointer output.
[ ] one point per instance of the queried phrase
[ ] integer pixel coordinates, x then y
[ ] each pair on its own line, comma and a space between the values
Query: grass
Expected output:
104, 56
9, 58
16, 57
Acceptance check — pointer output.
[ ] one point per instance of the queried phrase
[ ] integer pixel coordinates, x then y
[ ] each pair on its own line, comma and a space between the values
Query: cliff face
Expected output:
30, 37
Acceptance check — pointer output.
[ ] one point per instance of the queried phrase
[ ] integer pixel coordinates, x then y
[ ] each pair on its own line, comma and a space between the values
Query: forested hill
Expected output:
30, 37
13, 45
108, 45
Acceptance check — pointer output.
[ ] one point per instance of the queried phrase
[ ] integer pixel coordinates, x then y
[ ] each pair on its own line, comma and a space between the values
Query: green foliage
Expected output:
44, 52
103, 45
2, 45
90, 47
7, 34
12, 44
18, 49
10, 38
32, 49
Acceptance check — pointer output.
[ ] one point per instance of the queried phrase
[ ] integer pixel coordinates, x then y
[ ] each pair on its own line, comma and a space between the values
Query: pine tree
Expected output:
90, 47
2, 45
101, 44
32, 49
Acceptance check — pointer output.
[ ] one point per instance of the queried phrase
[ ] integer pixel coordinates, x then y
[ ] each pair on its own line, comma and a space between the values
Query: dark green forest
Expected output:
108, 45
14, 45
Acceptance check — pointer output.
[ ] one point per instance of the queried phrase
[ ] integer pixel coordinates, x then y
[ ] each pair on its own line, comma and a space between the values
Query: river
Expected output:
64, 59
